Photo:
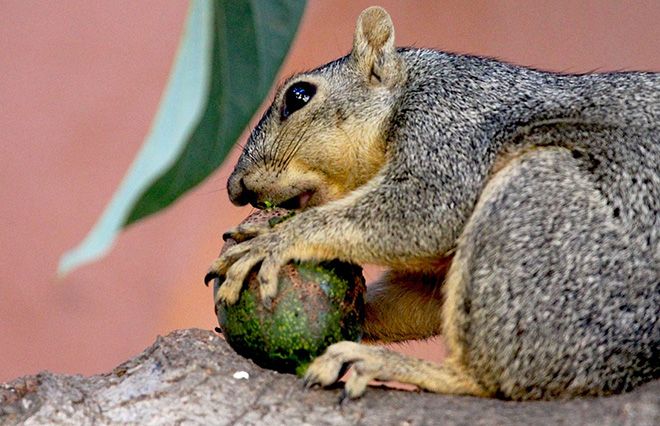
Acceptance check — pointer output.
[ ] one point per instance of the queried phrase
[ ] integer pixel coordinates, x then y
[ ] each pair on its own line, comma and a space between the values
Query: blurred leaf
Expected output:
251, 39
228, 58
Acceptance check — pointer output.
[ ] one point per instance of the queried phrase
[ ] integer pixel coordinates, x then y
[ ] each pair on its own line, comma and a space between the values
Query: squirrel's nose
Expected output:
239, 193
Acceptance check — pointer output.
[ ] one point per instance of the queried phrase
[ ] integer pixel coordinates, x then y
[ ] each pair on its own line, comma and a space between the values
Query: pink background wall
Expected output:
79, 84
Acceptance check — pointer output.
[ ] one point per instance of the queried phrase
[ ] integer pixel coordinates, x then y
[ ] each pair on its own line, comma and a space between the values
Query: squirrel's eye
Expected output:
297, 97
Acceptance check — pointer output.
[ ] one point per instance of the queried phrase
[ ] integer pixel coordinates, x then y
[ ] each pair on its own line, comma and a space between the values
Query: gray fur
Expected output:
560, 299
562, 279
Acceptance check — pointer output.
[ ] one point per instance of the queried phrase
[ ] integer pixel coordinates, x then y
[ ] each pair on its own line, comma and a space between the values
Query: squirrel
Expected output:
517, 211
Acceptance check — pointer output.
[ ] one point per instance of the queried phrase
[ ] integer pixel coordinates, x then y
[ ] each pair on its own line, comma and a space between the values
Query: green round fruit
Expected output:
317, 304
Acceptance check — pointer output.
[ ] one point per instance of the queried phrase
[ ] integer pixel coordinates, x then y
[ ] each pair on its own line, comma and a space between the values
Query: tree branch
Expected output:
188, 377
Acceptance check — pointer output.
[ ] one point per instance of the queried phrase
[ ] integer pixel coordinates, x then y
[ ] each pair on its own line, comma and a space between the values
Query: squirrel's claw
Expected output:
307, 383
323, 371
210, 276
220, 265
236, 274
343, 397
331, 366
237, 262
246, 231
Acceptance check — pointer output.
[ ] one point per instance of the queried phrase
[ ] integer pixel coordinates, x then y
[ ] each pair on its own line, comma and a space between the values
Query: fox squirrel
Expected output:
517, 211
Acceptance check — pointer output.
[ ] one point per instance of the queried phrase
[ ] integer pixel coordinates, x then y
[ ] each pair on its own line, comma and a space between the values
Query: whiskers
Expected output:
277, 155
249, 154
289, 152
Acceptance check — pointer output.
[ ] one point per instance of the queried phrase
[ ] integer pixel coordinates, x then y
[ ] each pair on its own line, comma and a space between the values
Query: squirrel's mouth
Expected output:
298, 202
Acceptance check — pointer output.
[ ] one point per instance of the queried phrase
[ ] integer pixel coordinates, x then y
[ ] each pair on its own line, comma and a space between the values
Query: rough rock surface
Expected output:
188, 377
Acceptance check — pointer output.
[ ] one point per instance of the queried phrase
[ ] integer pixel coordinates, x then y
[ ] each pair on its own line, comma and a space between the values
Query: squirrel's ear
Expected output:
373, 47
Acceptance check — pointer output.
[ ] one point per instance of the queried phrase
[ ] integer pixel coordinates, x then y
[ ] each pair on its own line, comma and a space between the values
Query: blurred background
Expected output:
80, 82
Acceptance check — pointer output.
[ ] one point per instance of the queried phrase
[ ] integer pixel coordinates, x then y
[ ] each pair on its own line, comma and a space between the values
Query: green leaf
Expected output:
228, 58
251, 39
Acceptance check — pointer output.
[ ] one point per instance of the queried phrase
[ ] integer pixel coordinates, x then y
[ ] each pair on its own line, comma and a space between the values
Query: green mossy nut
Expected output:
317, 304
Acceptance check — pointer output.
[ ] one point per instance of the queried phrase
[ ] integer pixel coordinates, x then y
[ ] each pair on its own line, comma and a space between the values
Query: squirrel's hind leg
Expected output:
378, 363
404, 305
548, 295
400, 306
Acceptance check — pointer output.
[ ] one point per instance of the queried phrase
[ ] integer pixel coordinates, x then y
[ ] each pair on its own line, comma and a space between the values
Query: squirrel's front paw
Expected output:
234, 265
327, 369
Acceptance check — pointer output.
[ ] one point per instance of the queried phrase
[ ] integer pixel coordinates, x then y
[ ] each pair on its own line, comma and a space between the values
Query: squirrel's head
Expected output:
324, 134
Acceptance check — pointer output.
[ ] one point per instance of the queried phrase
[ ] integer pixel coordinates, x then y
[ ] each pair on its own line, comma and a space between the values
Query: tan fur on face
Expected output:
344, 158
331, 157
322, 148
